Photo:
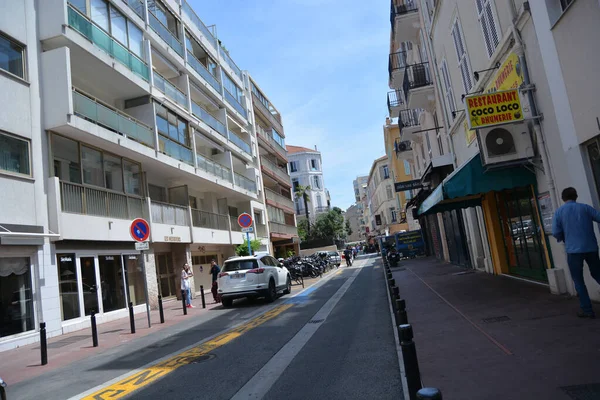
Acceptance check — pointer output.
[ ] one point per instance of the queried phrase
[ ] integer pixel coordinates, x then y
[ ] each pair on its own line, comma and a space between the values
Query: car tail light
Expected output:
256, 271
222, 274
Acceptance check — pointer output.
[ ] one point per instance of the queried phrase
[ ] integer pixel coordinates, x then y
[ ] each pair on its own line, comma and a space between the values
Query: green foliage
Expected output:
242, 249
348, 228
328, 226
303, 229
290, 253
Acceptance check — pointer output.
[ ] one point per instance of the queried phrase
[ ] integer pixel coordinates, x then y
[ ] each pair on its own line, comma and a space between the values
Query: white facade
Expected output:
136, 112
381, 199
306, 169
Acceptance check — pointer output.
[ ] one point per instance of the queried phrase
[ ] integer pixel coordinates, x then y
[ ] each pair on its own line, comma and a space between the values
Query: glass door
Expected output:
89, 285
167, 278
111, 283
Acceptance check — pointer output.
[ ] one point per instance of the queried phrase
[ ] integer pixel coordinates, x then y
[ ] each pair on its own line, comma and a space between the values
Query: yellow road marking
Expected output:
148, 375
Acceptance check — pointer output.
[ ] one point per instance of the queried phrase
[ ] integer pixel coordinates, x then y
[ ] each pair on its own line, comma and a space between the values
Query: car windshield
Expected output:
333, 254
239, 265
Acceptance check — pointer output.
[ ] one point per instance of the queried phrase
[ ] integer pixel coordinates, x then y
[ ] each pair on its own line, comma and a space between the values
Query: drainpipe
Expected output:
537, 127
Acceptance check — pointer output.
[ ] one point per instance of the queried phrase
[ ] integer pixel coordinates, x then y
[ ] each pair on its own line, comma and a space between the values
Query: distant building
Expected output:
354, 215
306, 170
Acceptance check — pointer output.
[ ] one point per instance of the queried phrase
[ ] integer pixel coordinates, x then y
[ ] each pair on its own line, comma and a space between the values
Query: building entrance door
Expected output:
89, 285
167, 278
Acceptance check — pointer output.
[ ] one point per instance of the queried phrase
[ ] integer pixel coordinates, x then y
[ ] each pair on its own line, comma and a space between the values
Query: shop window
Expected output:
111, 283
69, 292
14, 155
16, 300
134, 279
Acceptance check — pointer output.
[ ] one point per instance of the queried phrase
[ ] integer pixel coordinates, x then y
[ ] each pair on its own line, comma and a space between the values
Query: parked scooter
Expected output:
393, 258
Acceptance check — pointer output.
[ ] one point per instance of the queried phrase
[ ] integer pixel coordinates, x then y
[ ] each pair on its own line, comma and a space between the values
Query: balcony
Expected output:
165, 34
418, 86
405, 21
410, 125
276, 172
261, 230
197, 22
396, 65
103, 41
94, 110
170, 90
232, 101
267, 112
322, 210
203, 72
235, 227
138, 7
230, 63
208, 119
267, 138
214, 168
278, 229
395, 101
239, 142
175, 150
170, 222
244, 183
208, 220
279, 200
85, 200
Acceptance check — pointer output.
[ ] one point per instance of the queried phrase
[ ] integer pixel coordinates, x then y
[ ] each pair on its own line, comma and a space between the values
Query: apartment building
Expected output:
306, 170
360, 196
491, 185
275, 177
116, 110
353, 215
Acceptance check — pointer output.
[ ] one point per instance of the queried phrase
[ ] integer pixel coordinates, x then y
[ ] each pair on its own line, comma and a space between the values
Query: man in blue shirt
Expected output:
574, 224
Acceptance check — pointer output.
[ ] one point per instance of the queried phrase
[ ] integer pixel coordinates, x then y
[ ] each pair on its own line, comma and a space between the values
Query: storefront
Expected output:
16, 296
202, 256
456, 238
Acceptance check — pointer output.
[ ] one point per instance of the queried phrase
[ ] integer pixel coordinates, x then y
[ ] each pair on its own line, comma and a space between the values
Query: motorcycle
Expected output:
393, 259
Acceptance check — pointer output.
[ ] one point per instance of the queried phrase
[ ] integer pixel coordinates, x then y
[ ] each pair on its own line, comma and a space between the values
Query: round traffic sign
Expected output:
245, 220
139, 230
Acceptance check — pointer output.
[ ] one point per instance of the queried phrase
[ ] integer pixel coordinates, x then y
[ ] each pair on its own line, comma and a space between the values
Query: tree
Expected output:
348, 228
330, 225
242, 249
303, 229
302, 192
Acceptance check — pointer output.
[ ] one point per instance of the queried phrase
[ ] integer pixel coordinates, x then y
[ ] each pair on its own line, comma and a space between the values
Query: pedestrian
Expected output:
348, 256
573, 224
214, 270
186, 274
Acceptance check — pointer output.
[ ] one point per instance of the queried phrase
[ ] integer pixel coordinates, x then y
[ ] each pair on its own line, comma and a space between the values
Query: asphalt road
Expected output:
332, 341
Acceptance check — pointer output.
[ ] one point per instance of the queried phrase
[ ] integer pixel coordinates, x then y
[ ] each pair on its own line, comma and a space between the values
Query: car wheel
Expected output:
227, 303
288, 286
271, 292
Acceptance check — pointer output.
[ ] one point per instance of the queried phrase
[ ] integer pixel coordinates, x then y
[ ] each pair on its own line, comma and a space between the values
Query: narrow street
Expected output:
332, 340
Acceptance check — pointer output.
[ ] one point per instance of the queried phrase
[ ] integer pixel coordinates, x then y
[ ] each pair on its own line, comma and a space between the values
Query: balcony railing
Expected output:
230, 62
102, 40
175, 150
275, 227
204, 219
235, 227
199, 24
244, 182
416, 76
272, 115
214, 168
170, 90
235, 104
261, 230
165, 34
137, 6
394, 99
238, 141
396, 61
170, 214
402, 9
211, 121
279, 199
279, 172
203, 72
321, 210
80, 199
102, 114
268, 136
408, 118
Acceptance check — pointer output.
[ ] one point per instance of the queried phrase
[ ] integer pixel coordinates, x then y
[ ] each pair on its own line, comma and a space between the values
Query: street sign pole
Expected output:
140, 232
146, 287
249, 246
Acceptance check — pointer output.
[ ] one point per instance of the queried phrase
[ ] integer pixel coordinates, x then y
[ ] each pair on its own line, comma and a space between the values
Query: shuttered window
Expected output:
449, 93
461, 54
489, 25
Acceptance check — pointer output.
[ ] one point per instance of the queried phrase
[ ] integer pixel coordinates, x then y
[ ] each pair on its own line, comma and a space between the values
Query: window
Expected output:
293, 166
68, 289
295, 184
461, 54
164, 16
393, 214
385, 172
91, 160
489, 25
16, 300
133, 178
276, 215
317, 182
449, 93
406, 167
14, 155
389, 192
136, 39
233, 89
319, 201
173, 131
408, 194
12, 56
428, 144
314, 164
157, 193
99, 14
278, 138
565, 3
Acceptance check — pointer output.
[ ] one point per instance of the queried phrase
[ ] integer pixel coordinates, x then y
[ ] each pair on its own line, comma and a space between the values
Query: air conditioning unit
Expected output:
505, 144
400, 147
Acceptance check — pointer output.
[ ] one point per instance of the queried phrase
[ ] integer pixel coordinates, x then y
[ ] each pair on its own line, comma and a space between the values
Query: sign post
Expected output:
140, 232
245, 222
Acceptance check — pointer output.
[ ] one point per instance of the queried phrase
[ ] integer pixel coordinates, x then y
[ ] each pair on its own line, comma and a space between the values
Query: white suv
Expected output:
253, 276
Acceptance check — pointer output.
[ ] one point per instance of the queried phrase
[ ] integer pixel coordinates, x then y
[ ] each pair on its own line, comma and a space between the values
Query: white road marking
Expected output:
258, 386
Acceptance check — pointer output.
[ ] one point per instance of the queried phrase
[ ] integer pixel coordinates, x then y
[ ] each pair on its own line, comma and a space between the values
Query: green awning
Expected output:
464, 187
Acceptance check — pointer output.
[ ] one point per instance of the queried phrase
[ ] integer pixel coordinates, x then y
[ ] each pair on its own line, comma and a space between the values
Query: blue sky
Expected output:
323, 64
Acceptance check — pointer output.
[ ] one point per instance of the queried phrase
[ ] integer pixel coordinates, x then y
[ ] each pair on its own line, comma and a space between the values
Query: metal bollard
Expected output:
392, 282
202, 296
43, 343
401, 317
2, 389
396, 293
411, 363
94, 329
161, 312
429, 394
183, 302
389, 275
131, 318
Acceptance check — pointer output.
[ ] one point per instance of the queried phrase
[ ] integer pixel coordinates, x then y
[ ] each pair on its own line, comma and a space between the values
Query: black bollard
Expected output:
160, 310
43, 343
429, 394
396, 293
392, 282
411, 363
131, 318
183, 302
389, 275
94, 329
202, 296
401, 317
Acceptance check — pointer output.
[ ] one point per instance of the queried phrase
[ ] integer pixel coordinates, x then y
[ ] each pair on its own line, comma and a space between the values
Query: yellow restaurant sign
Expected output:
494, 108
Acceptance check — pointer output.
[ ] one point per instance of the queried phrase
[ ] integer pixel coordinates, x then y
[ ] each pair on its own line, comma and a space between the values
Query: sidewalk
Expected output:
481, 336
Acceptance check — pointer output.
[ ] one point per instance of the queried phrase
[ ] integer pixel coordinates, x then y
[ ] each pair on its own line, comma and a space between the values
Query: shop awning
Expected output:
464, 187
